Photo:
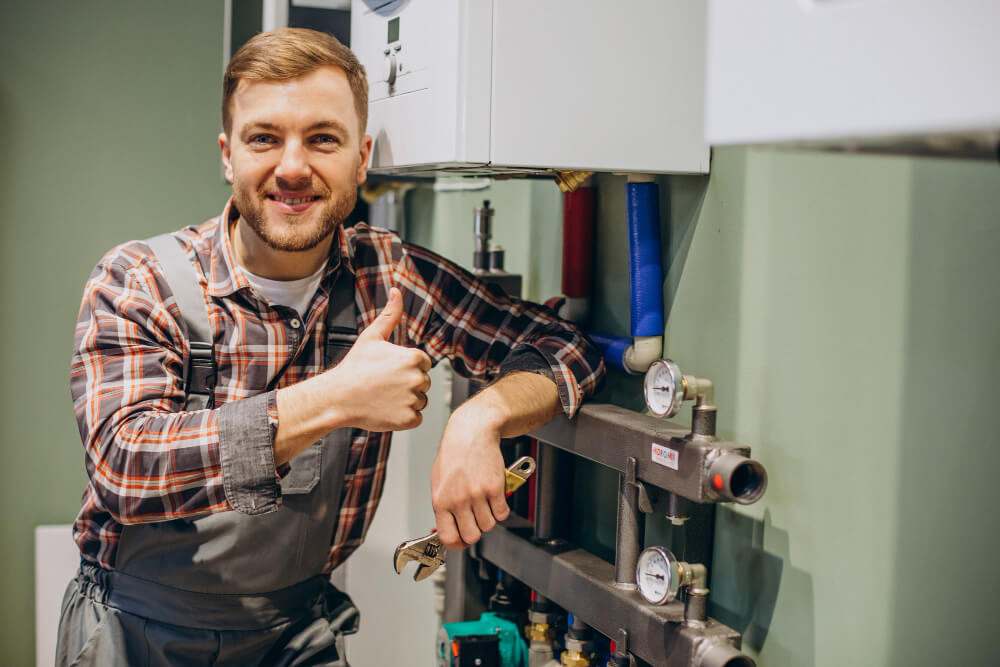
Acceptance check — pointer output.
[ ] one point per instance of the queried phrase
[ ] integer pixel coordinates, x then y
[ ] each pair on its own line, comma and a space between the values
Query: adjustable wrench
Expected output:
428, 551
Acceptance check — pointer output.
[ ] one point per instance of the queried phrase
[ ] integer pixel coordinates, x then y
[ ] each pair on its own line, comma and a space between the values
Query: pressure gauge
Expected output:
657, 575
664, 388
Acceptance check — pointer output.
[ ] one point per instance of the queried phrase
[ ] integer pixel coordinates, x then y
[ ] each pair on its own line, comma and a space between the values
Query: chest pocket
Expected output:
341, 333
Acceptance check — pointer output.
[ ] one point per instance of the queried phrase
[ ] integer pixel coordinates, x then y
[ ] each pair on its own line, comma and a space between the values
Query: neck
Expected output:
262, 260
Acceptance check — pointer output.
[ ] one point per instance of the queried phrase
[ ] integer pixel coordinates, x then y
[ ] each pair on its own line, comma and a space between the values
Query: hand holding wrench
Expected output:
428, 551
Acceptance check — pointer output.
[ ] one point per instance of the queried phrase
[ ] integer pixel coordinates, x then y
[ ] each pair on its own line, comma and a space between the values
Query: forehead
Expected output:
321, 95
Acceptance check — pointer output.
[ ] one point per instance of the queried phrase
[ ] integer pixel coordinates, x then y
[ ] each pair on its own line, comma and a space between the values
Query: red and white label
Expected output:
666, 456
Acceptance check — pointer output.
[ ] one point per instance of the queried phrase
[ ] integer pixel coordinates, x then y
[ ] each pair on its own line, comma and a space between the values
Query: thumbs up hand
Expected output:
379, 386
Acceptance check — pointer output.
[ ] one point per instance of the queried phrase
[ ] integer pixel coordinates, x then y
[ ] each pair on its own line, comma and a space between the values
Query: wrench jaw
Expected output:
427, 551
424, 571
401, 558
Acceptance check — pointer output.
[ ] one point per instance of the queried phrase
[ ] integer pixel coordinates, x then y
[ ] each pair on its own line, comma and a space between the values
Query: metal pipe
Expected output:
737, 479
725, 655
696, 608
577, 579
545, 493
483, 230
703, 420
677, 509
595, 425
695, 576
628, 539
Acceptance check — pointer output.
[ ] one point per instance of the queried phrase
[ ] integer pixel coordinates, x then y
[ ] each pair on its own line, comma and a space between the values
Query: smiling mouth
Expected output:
293, 201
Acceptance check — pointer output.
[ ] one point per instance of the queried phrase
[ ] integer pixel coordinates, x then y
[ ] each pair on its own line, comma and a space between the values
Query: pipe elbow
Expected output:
641, 354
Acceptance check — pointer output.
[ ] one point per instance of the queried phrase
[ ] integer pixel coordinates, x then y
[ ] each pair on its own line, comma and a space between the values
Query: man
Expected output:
229, 476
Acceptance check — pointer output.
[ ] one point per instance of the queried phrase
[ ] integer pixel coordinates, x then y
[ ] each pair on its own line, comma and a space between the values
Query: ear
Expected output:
227, 162
366, 153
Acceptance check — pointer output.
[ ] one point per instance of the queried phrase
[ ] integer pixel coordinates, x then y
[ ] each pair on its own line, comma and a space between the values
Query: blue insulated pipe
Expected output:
645, 269
612, 348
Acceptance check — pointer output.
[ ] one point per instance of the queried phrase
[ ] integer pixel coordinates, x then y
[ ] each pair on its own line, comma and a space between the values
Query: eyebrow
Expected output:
271, 127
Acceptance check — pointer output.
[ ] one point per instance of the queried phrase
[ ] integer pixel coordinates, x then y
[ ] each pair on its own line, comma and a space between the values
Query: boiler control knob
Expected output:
390, 69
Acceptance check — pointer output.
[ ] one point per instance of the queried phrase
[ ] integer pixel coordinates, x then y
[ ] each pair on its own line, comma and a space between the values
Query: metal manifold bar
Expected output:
581, 581
610, 435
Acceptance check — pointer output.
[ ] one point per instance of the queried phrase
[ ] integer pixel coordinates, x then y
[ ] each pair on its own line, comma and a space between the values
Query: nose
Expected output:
293, 168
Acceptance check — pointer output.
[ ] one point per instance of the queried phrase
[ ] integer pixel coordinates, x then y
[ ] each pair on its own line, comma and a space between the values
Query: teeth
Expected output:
294, 202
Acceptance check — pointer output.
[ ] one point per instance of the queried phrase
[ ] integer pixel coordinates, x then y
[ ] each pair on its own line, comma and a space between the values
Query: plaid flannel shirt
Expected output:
149, 460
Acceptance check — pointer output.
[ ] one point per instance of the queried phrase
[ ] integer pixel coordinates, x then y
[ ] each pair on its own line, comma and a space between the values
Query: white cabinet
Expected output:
495, 86
827, 70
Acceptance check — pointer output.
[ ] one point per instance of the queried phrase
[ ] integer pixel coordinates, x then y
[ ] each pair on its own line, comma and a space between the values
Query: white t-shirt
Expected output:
295, 294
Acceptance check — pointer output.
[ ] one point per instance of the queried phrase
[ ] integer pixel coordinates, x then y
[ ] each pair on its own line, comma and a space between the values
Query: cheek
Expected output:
250, 168
340, 170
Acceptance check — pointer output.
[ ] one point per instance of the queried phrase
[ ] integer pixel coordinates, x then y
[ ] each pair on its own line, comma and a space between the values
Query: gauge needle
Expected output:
654, 576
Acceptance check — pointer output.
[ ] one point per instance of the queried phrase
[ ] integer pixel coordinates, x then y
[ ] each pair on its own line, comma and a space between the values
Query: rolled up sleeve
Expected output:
450, 313
246, 441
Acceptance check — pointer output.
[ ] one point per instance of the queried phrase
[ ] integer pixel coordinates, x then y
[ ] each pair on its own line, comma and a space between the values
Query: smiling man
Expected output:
236, 385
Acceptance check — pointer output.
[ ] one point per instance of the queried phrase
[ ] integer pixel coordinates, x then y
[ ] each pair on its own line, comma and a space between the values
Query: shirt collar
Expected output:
226, 276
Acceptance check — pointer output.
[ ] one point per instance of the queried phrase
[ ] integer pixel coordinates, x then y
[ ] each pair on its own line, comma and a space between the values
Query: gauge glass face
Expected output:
660, 388
654, 574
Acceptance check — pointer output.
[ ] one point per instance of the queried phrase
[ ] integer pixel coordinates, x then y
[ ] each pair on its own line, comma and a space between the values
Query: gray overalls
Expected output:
225, 588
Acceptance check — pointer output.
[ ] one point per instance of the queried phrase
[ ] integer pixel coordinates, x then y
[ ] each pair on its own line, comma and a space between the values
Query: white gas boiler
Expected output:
902, 75
530, 86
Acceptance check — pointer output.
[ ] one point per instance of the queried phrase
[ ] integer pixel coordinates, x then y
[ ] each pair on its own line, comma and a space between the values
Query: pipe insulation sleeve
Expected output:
612, 348
578, 242
645, 269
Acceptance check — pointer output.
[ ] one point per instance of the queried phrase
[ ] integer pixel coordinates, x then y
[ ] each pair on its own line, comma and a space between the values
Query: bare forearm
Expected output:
306, 413
516, 403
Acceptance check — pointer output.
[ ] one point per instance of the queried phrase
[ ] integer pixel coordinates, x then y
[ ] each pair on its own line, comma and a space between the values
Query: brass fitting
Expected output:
539, 632
574, 659
568, 181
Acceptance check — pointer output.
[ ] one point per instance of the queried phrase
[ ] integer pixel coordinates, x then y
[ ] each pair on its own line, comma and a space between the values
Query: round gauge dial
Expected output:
657, 576
663, 388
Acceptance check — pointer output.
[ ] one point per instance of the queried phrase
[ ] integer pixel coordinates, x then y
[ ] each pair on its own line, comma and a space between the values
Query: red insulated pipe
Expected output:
578, 242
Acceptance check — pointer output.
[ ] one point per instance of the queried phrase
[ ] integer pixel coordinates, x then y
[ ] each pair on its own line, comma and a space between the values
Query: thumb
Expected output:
388, 319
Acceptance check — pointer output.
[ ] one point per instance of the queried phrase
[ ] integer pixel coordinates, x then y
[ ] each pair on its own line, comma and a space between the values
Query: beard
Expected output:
294, 233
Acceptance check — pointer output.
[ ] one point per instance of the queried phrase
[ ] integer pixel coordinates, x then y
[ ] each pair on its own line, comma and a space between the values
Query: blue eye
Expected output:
325, 139
262, 139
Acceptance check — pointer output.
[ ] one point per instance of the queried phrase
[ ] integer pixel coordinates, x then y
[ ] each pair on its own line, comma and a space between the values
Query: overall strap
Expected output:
341, 315
179, 272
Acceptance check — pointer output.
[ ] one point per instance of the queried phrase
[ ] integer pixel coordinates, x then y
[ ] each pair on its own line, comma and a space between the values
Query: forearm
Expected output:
515, 404
307, 411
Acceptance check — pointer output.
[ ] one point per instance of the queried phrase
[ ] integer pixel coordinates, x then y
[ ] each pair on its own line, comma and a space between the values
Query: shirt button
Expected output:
294, 322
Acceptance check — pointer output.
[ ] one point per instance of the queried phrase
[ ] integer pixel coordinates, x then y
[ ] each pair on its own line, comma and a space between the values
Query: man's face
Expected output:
295, 156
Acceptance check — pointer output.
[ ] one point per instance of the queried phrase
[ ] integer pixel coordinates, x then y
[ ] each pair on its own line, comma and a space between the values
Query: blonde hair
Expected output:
288, 53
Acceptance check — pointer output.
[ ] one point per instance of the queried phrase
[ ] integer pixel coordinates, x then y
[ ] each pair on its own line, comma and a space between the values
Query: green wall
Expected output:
848, 310
108, 118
